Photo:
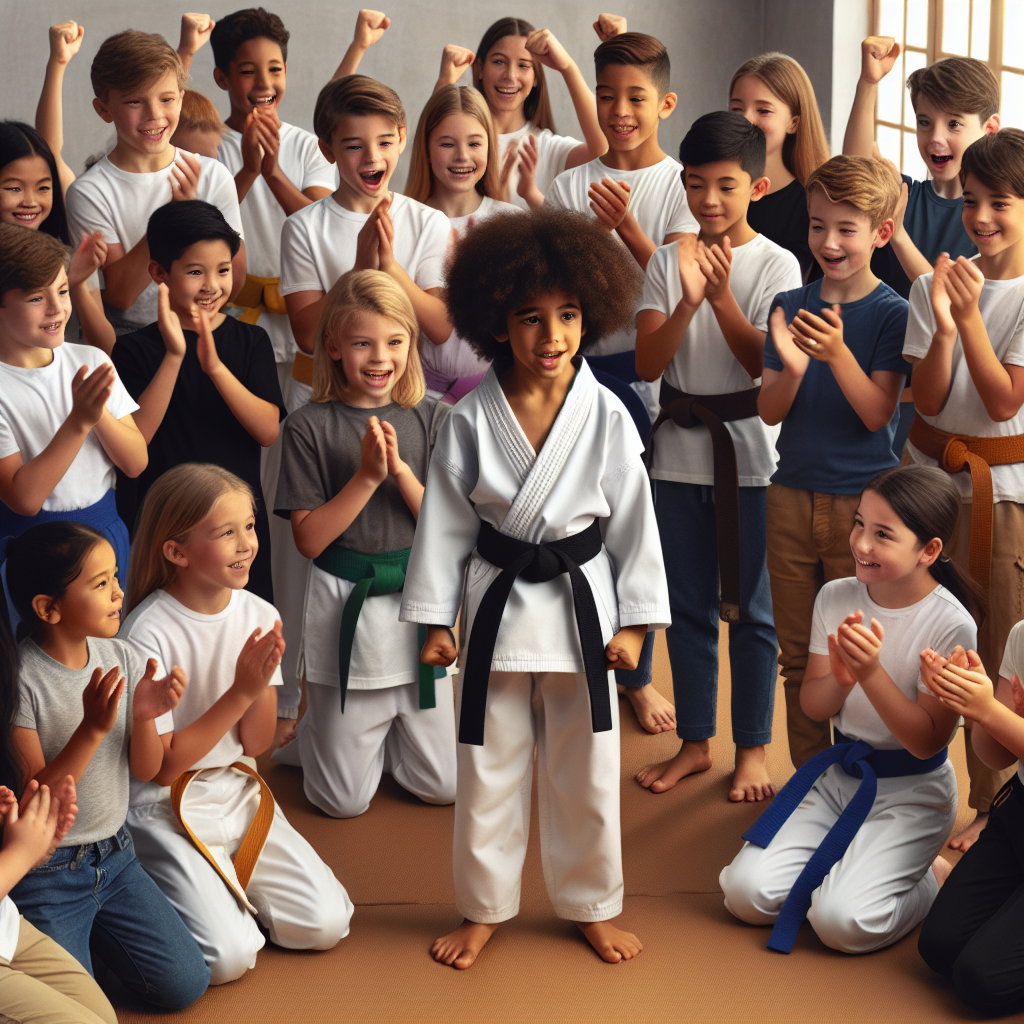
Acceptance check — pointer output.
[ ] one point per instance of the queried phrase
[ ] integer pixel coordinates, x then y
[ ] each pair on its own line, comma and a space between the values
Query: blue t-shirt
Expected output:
823, 445
935, 225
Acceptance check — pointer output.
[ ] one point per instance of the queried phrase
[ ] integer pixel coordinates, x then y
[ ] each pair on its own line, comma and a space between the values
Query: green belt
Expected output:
373, 576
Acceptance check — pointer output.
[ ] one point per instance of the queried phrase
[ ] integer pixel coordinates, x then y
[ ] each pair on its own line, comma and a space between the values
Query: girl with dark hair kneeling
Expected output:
852, 841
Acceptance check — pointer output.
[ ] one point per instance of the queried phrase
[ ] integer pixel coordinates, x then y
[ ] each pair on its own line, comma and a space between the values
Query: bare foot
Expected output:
653, 711
694, 756
966, 839
284, 732
941, 869
612, 944
751, 781
461, 947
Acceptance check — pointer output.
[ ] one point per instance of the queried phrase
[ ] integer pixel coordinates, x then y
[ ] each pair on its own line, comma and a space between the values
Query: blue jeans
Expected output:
689, 541
99, 895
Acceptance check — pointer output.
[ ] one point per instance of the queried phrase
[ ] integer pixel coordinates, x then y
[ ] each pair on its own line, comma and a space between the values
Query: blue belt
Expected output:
102, 516
863, 762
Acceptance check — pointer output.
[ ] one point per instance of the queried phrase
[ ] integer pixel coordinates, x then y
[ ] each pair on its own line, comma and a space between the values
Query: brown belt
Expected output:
713, 412
252, 842
956, 452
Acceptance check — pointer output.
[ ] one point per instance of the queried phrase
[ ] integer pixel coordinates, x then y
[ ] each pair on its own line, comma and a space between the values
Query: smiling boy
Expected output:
965, 339
138, 80
206, 383
702, 323
833, 373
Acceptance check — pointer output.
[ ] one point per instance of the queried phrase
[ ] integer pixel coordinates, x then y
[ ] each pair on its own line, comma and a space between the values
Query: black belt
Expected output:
535, 563
713, 412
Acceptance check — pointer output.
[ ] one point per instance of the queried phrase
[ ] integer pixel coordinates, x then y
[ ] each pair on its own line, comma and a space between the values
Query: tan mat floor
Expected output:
698, 962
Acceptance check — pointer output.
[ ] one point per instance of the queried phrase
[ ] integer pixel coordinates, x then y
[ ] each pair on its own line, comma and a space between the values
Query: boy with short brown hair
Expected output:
138, 79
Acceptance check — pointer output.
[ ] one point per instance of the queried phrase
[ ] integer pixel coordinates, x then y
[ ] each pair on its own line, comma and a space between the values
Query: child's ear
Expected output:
101, 108
402, 136
157, 272
759, 189
332, 348
326, 150
46, 608
794, 124
220, 78
501, 337
174, 554
993, 124
885, 232
668, 104
930, 552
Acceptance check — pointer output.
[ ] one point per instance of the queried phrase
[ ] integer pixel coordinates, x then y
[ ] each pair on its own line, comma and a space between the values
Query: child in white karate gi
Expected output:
351, 480
852, 841
207, 829
538, 522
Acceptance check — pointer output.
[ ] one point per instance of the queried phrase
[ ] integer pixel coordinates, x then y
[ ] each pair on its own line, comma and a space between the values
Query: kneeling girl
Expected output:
852, 841
354, 461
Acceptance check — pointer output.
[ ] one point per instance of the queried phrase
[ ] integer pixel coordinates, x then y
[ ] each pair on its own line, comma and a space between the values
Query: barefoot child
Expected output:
65, 418
508, 70
833, 375
206, 383
455, 170
93, 894
774, 92
351, 483
852, 841
207, 829
537, 474
965, 339
702, 323
972, 933
138, 81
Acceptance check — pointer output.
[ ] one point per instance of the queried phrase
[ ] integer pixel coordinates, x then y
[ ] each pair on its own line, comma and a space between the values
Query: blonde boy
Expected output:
138, 80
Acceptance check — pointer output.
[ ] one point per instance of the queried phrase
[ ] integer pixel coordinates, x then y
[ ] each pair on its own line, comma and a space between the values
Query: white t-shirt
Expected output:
552, 153
10, 929
704, 363
1002, 308
34, 405
207, 648
301, 161
119, 204
938, 621
456, 357
657, 200
1013, 664
318, 243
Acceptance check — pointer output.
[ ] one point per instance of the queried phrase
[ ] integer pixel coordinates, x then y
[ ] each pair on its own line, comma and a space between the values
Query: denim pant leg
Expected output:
140, 936
686, 521
753, 646
633, 679
59, 898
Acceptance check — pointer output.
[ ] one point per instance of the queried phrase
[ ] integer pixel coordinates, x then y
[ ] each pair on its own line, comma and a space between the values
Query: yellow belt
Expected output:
252, 842
263, 295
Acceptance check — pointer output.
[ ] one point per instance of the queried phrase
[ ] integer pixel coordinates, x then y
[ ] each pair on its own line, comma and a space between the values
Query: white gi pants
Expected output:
288, 568
297, 898
343, 755
578, 791
881, 888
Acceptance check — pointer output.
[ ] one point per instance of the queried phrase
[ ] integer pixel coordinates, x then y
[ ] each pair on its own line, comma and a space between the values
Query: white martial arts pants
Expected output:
881, 888
296, 896
343, 755
288, 568
578, 792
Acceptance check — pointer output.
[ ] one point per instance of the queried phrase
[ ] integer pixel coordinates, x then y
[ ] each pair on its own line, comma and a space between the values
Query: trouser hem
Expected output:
480, 916
589, 914
695, 732
751, 739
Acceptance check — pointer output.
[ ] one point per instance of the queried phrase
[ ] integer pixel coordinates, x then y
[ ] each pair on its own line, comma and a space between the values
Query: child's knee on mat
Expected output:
838, 924
337, 805
189, 979
745, 897
233, 955
983, 985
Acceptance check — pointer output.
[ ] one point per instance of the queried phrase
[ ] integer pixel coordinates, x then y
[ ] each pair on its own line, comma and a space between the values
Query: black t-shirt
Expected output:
782, 218
198, 425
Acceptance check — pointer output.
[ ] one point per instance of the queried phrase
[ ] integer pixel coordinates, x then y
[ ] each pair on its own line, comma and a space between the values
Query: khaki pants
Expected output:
44, 984
1005, 610
808, 545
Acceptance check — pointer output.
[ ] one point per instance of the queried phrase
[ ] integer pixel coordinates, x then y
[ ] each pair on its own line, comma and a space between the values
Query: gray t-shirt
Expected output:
323, 450
50, 701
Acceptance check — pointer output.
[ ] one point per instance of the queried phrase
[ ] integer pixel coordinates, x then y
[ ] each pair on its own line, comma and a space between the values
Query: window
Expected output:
927, 30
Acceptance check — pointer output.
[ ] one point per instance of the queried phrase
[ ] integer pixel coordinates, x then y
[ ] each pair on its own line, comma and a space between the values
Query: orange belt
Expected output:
956, 452
302, 368
253, 841
260, 295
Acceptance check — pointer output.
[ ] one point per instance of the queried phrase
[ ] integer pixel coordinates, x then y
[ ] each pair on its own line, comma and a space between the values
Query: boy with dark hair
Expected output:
634, 191
833, 374
965, 339
702, 323
138, 80
206, 383
537, 474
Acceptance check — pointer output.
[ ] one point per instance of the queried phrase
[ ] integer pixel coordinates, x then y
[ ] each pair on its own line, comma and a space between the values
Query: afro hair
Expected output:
513, 257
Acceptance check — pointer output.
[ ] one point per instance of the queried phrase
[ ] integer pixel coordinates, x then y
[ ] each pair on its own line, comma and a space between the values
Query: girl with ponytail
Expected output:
875, 808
